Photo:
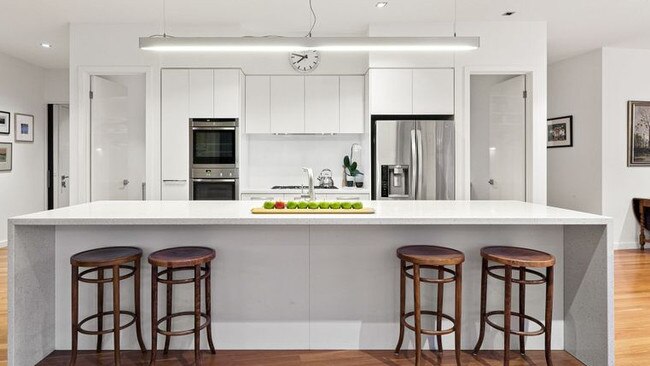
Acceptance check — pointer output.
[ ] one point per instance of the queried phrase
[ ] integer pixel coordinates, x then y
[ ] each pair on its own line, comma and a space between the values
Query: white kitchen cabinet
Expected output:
262, 197
226, 93
258, 104
391, 91
322, 104
348, 196
201, 93
287, 104
175, 86
351, 104
433, 91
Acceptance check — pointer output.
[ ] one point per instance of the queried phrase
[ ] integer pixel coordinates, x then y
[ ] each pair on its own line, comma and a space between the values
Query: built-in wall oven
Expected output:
214, 161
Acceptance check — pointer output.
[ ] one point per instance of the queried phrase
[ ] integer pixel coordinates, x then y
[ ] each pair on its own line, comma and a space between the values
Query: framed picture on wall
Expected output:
638, 133
559, 132
5, 156
24, 126
5, 123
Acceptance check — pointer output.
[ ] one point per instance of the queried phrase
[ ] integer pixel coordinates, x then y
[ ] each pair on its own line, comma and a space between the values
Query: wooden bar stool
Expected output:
521, 259
101, 260
194, 259
416, 257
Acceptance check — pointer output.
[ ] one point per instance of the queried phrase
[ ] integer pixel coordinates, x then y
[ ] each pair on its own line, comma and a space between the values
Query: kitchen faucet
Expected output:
310, 175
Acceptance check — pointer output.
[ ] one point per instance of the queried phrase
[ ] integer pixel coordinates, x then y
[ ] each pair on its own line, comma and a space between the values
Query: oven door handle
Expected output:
214, 128
218, 180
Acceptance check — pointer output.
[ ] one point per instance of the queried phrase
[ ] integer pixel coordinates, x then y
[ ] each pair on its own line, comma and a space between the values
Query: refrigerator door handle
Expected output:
413, 169
418, 188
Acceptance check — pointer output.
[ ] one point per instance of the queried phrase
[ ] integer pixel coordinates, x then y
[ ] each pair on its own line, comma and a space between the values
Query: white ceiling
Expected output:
574, 26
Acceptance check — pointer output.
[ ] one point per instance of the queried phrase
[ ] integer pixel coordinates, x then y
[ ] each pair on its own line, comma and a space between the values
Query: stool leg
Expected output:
506, 316
100, 308
154, 314
138, 320
522, 309
208, 305
481, 336
458, 312
416, 304
549, 315
116, 314
197, 315
441, 275
402, 304
75, 314
168, 309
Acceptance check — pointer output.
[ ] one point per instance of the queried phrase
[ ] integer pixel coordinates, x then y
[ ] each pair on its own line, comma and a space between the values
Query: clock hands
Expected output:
302, 57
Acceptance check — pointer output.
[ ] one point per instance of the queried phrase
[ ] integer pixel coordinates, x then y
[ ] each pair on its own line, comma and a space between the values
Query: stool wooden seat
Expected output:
196, 259
432, 257
100, 260
520, 260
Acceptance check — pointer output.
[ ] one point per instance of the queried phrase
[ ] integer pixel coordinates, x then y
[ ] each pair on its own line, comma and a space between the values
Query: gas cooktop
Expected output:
301, 187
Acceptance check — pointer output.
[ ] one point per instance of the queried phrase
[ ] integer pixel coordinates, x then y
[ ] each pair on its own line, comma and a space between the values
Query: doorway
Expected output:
117, 137
58, 162
498, 137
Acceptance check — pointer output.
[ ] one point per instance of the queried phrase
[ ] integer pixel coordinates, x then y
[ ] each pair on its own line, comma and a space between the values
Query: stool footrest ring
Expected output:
541, 280
181, 281
102, 314
432, 280
205, 317
81, 275
540, 331
429, 331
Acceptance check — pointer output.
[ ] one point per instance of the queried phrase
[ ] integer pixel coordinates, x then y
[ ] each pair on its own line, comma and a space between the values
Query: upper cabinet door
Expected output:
201, 93
258, 104
226, 93
351, 104
433, 91
287, 104
175, 139
322, 104
391, 91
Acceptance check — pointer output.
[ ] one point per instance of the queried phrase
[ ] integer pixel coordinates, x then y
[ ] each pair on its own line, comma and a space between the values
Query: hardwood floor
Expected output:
632, 306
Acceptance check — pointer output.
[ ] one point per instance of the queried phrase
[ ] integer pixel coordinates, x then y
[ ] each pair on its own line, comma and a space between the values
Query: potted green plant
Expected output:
350, 171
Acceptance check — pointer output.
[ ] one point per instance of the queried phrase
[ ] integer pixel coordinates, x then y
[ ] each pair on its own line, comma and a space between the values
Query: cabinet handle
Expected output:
349, 198
261, 198
174, 180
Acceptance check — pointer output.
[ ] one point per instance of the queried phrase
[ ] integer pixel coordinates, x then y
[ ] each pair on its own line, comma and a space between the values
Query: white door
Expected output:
61, 139
109, 140
507, 140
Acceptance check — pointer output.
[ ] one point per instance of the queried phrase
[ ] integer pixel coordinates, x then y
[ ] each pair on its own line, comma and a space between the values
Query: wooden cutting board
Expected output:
259, 210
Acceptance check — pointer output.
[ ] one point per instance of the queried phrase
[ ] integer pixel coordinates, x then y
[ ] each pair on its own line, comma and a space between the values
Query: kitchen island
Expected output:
312, 281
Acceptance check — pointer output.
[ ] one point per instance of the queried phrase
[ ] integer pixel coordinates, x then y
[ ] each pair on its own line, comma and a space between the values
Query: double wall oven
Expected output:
214, 143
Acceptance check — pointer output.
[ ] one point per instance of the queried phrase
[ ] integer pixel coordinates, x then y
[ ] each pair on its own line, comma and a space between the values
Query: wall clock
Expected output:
304, 61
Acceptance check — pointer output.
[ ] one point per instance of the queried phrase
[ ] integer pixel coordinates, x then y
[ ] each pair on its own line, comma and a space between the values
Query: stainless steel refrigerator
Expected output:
413, 159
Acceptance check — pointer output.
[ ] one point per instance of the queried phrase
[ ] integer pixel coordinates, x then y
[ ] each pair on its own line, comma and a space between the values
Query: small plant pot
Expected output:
358, 180
349, 181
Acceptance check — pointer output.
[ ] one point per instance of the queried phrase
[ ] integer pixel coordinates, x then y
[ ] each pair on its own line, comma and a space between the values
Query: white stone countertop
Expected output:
238, 213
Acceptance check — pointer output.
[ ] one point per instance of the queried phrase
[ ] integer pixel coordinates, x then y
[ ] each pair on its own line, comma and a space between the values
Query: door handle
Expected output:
491, 182
64, 183
125, 182
418, 187
413, 169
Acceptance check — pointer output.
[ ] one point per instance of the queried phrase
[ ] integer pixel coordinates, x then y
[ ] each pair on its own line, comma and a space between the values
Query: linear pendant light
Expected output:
284, 44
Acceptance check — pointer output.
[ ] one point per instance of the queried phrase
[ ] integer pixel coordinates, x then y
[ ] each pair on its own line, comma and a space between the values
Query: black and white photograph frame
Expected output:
5, 123
638, 133
559, 132
24, 127
6, 152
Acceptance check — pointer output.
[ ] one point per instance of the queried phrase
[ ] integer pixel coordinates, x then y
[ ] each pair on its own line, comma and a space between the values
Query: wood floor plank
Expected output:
632, 306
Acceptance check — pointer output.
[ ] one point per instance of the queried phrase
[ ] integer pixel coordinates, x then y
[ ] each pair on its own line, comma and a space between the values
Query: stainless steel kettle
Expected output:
325, 178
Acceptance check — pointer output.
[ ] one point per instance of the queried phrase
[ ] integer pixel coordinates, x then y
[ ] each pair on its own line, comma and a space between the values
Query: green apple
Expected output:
269, 205
357, 205
324, 205
292, 205
313, 205
303, 205
346, 205
335, 205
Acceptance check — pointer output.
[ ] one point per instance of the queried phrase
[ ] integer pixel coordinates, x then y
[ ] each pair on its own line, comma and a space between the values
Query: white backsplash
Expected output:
278, 160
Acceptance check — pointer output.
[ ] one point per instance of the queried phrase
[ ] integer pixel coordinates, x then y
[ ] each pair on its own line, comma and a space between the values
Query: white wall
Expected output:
626, 77
57, 86
23, 190
506, 47
575, 173
480, 86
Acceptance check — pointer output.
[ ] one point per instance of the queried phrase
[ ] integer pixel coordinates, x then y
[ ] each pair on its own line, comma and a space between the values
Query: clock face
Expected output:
304, 61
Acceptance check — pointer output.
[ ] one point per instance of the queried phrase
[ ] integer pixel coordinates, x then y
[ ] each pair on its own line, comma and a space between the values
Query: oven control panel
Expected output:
215, 173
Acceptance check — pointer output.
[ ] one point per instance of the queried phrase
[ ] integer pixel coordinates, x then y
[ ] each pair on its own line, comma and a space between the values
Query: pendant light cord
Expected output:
455, 15
164, 17
313, 14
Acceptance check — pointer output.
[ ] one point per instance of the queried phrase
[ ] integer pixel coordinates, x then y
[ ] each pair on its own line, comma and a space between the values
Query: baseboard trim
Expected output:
626, 245
3, 243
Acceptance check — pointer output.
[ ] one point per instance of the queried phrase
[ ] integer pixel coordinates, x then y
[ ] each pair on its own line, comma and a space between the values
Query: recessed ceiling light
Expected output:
46, 45
381, 4
508, 13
